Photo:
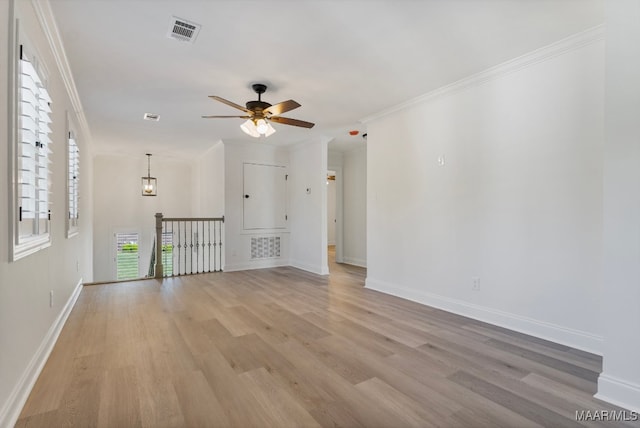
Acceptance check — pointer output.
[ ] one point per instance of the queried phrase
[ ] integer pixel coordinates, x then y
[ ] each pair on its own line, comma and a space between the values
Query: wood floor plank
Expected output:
370, 340
335, 414
522, 406
340, 362
159, 405
267, 331
279, 408
547, 360
198, 403
406, 411
81, 399
561, 352
250, 352
38, 420
241, 409
325, 386
119, 401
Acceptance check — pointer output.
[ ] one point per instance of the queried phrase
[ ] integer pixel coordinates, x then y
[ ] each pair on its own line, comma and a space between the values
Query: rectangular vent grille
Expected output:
265, 247
183, 30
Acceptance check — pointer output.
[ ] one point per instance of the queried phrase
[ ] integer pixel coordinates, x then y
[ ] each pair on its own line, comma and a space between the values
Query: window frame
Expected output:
73, 181
26, 243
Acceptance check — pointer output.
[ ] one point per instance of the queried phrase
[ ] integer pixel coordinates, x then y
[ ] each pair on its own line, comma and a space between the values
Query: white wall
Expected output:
119, 205
28, 324
308, 206
517, 204
237, 245
355, 206
208, 183
620, 380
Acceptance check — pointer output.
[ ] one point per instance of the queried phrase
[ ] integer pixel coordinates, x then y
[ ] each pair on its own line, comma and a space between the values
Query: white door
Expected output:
265, 196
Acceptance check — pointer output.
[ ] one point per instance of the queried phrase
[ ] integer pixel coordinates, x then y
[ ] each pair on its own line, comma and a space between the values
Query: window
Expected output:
167, 253
73, 173
31, 151
127, 255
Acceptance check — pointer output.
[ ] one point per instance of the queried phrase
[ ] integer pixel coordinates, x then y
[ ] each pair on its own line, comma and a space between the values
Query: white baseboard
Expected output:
12, 408
354, 261
544, 330
317, 269
618, 392
258, 264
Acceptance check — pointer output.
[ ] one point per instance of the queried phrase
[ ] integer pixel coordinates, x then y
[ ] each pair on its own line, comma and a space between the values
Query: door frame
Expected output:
339, 211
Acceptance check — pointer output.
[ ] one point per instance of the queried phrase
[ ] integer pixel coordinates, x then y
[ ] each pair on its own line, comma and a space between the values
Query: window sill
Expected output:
30, 247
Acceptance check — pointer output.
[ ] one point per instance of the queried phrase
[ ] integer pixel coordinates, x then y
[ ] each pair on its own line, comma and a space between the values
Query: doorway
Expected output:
331, 217
334, 215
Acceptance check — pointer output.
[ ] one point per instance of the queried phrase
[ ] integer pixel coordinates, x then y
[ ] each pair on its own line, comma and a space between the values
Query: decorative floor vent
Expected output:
183, 30
265, 247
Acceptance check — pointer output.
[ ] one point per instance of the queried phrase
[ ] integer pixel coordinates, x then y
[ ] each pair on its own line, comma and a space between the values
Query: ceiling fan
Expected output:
259, 113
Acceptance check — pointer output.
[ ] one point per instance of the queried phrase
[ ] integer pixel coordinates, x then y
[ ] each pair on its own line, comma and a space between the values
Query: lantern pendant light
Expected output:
149, 183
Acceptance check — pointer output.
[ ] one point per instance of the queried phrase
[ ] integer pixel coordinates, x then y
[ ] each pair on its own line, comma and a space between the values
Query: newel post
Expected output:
158, 268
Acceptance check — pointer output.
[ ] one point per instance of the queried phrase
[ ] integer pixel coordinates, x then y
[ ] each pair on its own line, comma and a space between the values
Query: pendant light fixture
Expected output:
149, 183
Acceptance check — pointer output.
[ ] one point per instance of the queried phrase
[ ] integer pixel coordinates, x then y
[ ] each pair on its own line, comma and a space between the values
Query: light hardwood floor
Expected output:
285, 348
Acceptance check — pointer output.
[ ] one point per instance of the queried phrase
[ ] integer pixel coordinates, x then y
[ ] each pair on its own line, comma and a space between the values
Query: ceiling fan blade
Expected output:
282, 107
294, 122
229, 103
224, 117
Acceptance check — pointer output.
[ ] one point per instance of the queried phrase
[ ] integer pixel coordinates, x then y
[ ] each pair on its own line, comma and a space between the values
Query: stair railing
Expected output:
186, 246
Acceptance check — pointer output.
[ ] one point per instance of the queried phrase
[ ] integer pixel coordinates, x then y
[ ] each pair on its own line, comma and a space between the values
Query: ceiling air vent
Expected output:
183, 30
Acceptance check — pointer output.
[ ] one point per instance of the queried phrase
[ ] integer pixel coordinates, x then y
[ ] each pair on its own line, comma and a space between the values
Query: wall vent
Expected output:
265, 247
183, 30
152, 116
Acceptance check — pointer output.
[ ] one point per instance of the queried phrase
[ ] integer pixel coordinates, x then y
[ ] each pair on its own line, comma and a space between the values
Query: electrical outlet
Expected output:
475, 283
51, 299
441, 160
77, 266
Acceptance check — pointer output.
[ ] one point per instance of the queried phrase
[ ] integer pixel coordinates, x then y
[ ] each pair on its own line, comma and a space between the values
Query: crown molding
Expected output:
47, 21
537, 56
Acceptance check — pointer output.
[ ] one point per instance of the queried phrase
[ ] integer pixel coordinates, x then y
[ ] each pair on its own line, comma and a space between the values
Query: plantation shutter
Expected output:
34, 150
73, 171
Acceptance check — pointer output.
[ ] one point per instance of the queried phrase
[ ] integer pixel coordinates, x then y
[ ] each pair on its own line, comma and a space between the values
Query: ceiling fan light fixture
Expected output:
249, 128
264, 128
261, 126
270, 130
260, 113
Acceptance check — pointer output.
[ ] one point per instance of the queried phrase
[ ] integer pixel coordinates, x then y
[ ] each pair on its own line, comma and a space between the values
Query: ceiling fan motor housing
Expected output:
257, 106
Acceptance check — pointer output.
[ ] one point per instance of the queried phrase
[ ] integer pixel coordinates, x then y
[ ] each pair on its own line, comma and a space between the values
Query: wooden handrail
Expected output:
192, 218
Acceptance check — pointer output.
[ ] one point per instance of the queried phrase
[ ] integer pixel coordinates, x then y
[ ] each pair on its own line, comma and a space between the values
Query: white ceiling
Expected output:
342, 60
